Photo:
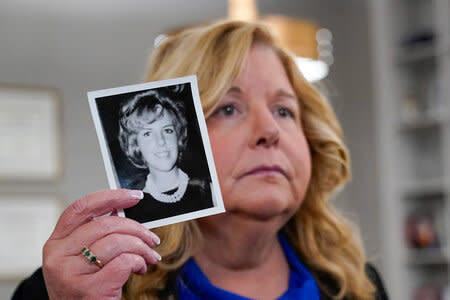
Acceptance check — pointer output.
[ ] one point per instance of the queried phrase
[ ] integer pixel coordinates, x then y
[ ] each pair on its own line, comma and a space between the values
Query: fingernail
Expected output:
136, 194
157, 256
156, 239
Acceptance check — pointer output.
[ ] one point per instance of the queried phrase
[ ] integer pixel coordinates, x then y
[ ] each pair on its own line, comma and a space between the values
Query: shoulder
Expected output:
199, 184
329, 284
374, 276
199, 187
137, 181
148, 209
31, 288
198, 194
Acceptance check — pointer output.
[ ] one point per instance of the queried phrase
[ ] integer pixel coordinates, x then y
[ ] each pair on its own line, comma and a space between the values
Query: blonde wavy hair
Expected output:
325, 241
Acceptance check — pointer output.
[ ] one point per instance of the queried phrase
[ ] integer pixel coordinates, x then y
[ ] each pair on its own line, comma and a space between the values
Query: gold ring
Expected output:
86, 252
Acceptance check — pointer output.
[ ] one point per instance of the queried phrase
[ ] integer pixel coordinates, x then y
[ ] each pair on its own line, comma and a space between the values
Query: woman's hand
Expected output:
122, 245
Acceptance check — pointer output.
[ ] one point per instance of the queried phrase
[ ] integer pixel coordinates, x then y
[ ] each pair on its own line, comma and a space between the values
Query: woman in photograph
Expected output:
279, 153
153, 135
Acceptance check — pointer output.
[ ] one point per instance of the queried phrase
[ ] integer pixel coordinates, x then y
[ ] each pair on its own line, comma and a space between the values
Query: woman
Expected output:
153, 135
279, 155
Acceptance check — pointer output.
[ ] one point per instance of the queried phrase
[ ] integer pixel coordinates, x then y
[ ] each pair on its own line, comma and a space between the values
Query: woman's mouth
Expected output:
162, 154
266, 170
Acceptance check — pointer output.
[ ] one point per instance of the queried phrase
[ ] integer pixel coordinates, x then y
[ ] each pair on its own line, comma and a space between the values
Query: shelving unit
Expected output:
411, 60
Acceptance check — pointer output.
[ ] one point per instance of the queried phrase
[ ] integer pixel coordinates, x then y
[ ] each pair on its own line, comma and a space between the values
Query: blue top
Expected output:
193, 283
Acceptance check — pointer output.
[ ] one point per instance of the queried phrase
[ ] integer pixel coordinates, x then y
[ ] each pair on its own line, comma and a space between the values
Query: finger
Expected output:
117, 271
114, 244
88, 233
93, 205
108, 248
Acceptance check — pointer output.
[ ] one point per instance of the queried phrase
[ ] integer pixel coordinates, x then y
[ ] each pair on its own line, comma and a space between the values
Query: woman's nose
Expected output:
160, 139
265, 130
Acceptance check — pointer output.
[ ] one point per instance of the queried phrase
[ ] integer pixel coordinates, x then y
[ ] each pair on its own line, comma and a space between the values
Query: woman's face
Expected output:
158, 143
260, 150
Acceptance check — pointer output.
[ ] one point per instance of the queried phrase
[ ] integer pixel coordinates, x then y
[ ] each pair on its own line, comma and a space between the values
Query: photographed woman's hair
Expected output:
144, 109
326, 242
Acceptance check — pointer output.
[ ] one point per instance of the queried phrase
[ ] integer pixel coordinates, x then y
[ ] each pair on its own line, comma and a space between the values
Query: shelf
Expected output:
432, 186
423, 122
416, 54
425, 196
426, 257
420, 54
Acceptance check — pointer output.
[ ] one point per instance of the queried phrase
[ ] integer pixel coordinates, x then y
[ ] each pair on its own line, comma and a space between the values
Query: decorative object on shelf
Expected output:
426, 257
30, 134
410, 111
446, 293
423, 97
421, 231
419, 38
26, 222
420, 163
427, 292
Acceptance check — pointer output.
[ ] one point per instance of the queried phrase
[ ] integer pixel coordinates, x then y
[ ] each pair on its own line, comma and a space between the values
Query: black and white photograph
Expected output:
153, 138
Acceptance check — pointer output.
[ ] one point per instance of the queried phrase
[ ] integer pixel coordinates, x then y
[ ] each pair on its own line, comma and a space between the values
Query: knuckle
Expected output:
128, 263
142, 246
104, 225
125, 258
114, 194
115, 239
138, 261
138, 243
122, 194
65, 279
48, 266
80, 205
124, 262
130, 259
47, 253
105, 193
46, 248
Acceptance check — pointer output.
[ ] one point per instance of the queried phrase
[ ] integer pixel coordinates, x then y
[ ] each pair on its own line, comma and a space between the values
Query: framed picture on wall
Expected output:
26, 222
30, 134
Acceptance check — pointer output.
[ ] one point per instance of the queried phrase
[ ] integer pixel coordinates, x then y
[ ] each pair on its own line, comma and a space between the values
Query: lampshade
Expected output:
308, 42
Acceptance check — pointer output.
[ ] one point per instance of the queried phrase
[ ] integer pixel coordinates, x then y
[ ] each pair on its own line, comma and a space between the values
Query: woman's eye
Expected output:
168, 130
227, 110
147, 133
285, 112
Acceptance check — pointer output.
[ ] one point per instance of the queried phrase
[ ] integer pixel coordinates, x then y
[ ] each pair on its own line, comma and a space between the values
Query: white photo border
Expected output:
218, 206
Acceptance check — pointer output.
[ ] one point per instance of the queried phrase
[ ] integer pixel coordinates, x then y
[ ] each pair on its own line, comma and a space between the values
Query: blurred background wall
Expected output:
78, 46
